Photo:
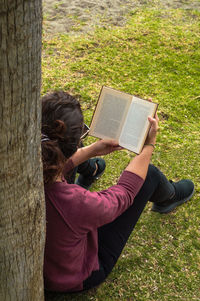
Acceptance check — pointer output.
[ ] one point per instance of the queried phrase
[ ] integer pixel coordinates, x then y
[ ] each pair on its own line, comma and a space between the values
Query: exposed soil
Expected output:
79, 16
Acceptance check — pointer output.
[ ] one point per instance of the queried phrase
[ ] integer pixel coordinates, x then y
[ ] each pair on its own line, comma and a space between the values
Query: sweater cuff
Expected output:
131, 181
69, 166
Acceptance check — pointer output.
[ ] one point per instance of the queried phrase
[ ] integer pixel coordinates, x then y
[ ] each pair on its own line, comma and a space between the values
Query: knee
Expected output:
153, 173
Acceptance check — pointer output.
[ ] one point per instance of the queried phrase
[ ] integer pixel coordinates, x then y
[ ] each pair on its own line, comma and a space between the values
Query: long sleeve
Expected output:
87, 210
73, 216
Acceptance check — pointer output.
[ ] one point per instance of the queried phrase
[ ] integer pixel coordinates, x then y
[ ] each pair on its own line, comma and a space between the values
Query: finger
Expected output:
151, 120
118, 148
111, 142
156, 117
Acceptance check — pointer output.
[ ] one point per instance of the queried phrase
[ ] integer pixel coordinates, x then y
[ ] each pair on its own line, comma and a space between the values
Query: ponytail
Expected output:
62, 123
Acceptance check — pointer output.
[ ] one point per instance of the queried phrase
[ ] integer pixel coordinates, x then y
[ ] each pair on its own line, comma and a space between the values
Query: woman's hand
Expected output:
99, 148
139, 164
151, 138
104, 147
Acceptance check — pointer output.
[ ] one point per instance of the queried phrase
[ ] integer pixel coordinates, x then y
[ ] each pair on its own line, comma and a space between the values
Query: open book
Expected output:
122, 117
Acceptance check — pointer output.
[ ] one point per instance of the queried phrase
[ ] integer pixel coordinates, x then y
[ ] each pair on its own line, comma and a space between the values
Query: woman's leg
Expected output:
87, 168
89, 171
113, 236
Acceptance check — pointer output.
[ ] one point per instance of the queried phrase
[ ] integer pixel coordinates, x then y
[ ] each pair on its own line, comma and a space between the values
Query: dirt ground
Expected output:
79, 16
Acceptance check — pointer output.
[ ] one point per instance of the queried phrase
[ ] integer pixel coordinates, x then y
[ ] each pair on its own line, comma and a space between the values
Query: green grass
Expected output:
157, 54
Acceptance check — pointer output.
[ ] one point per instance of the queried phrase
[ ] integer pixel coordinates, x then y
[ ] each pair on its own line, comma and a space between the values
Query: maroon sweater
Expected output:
73, 215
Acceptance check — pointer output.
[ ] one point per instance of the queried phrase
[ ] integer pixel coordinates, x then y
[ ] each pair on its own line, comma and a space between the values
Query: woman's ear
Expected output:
60, 127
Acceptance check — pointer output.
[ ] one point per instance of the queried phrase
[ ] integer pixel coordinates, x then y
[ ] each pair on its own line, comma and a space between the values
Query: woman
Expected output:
87, 231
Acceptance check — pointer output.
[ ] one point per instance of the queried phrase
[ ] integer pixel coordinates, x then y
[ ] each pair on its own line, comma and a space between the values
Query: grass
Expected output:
156, 55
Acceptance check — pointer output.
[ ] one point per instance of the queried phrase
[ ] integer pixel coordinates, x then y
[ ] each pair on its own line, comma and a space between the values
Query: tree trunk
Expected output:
21, 184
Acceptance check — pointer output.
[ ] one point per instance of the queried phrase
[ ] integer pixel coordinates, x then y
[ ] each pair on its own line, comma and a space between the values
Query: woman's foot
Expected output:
184, 190
87, 181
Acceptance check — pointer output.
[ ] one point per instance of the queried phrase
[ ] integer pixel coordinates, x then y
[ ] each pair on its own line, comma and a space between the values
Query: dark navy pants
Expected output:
112, 237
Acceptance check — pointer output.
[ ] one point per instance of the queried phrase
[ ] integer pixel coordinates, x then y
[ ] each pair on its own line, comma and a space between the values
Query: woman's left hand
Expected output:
99, 148
105, 146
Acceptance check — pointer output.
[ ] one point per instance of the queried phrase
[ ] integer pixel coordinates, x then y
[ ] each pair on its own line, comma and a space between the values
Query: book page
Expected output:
110, 114
136, 126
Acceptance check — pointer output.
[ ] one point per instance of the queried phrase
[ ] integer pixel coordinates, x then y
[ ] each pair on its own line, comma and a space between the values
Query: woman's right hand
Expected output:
139, 164
151, 138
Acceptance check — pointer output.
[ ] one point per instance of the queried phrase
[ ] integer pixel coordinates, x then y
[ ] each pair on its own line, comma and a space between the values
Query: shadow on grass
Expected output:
83, 296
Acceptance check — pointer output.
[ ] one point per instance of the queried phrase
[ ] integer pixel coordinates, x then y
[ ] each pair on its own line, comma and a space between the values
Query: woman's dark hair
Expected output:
62, 123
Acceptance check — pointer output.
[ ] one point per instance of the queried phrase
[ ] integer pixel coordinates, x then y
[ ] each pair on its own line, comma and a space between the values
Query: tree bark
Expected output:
22, 221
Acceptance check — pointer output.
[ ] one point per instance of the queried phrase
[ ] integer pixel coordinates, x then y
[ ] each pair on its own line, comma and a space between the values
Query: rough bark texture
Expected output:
21, 188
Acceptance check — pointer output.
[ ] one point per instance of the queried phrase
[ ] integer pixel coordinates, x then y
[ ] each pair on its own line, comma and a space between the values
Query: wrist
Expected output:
150, 144
151, 141
148, 149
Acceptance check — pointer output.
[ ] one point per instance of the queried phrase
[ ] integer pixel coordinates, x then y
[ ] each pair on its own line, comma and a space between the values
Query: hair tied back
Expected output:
45, 138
